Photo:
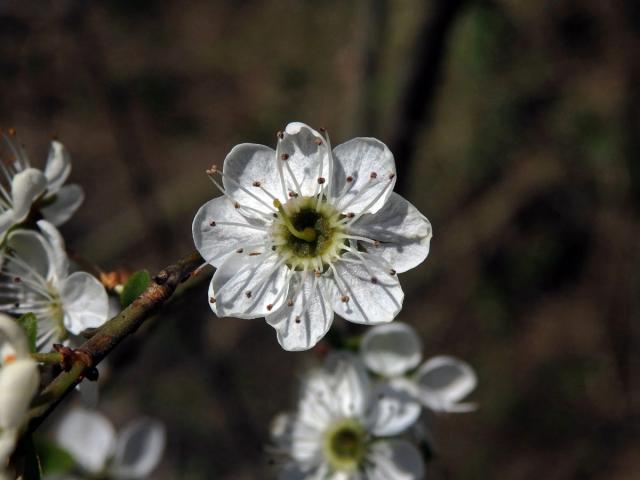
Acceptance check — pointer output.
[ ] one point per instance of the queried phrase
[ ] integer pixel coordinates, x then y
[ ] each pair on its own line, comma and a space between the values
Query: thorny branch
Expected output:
107, 337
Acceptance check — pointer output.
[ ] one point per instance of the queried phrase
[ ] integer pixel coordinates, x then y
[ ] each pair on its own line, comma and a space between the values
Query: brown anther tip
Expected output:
392, 176
289, 303
344, 298
374, 280
322, 129
284, 156
256, 184
212, 223
392, 272
321, 180
240, 250
212, 170
349, 179
212, 300
297, 320
376, 243
270, 307
248, 293
236, 205
373, 175
253, 254
317, 273
318, 141
161, 278
350, 214
280, 134
17, 279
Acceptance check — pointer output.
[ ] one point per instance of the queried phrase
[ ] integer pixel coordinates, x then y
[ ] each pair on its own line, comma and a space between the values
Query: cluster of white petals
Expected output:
19, 380
36, 278
346, 428
305, 230
394, 353
101, 452
22, 186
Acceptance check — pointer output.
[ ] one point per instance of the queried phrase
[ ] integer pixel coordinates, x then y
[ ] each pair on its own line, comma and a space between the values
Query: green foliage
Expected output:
137, 284
54, 460
29, 322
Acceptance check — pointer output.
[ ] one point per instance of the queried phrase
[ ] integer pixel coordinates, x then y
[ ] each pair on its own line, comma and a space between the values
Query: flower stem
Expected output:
51, 357
309, 234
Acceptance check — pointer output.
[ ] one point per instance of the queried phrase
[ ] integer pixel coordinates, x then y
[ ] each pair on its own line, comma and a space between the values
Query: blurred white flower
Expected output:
21, 186
19, 380
305, 231
131, 454
393, 350
35, 279
344, 428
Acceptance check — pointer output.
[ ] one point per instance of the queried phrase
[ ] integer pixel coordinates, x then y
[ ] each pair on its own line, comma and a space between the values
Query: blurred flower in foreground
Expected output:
22, 186
98, 451
346, 429
305, 231
392, 351
35, 279
18, 383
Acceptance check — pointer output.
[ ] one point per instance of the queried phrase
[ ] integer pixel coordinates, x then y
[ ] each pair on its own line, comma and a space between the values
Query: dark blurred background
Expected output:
516, 130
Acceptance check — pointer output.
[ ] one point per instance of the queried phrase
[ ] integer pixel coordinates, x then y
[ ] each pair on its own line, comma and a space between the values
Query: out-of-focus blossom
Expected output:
393, 351
346, 429
131, 454
19, 380
35, 279
23, 186
305, 231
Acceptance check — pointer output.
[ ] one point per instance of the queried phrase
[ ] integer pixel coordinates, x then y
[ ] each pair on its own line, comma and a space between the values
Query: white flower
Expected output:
19, 380
342, 429
35, 279
92, 441
25, 185
305, 231
393, 350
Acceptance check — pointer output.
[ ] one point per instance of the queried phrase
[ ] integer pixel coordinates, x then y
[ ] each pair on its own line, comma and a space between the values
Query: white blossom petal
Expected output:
374, 295
403, 232
32, 248
64, 204
306, 315
247, 164
88, 436
219, 229
391, 350
249, 286
443, 381
307, 160
394, 460
26, 187
393, 411
351, 385
7, 445
12, 335
59, 259
18, 383
372, 171
58, 166
85, 302
6, 222
139, 449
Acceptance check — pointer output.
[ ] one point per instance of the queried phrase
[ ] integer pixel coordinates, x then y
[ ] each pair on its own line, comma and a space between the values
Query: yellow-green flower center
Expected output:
345, 445
308, 233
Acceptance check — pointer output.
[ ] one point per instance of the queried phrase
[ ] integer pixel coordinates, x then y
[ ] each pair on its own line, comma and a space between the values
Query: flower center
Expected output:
307, 232
345, 445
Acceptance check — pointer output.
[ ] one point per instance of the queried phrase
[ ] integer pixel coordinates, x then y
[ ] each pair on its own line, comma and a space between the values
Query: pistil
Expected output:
309, 234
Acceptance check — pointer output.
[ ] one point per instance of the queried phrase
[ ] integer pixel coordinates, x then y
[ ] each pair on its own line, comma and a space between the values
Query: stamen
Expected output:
214, 170
214, 223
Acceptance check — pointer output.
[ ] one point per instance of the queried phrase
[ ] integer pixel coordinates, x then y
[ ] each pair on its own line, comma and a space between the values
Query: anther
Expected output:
297, 319
373, 175
17, 279
212, 300
256, 184
273, 248
349, 179
289, 303
376, 243
350, 214
236, 205
392, 272
253, 254
270, 307
212, 223
280, 135
284, 156
392, 176
248, 293
374, 280
240, 250
322, 129
318, 141
317, 273
344, 299
321, 180
212, 170
293, 194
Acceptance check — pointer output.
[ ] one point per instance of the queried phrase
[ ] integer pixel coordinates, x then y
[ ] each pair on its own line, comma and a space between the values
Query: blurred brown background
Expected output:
516, 129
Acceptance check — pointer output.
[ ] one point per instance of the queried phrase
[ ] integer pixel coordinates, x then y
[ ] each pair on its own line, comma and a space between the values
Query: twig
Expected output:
107, 337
